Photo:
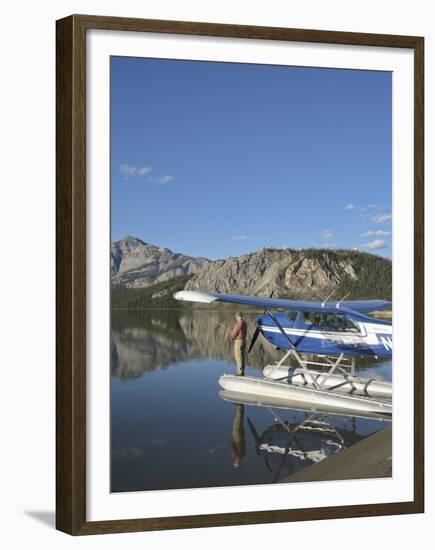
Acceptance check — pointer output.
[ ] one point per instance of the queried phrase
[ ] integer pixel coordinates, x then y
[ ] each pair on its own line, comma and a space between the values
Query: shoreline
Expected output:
369, 458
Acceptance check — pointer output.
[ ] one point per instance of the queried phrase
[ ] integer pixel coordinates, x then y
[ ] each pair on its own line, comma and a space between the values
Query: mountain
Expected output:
145, 276
137, 264
309, 274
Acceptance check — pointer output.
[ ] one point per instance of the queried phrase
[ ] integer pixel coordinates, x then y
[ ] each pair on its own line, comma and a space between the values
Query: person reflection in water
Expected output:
237, 443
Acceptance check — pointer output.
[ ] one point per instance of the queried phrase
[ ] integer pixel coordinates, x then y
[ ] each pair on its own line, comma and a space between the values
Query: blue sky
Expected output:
220, 159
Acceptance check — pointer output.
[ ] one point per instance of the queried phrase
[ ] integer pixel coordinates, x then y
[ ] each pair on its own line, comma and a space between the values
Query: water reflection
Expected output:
144, 341
172, 428
297, 437
310, 441
150, 340
238, 443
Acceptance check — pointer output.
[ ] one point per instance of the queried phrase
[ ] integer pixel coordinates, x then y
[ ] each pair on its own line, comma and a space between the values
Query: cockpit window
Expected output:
333, 322
310, 318
292, 315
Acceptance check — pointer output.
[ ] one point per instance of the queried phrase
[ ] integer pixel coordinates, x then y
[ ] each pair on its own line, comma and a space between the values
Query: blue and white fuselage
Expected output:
351, 335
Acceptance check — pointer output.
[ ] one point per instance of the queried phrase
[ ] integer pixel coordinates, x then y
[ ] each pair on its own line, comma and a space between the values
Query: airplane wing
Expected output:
365, 306
359, 306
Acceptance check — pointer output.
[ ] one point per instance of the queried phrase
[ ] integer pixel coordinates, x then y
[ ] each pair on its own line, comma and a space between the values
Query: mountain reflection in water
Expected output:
170, 427
148, 340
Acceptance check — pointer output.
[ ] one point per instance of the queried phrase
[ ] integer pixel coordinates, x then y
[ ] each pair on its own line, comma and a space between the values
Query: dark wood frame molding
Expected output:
71, 273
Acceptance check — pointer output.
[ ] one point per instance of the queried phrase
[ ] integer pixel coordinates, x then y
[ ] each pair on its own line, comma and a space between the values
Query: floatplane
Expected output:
334, 332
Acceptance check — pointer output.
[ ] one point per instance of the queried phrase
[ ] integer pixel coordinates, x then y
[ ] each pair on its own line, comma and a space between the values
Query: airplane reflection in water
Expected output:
288, 445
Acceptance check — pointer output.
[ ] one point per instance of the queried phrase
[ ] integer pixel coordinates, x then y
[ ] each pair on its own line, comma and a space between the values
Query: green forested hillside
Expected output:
157, 295
374, 274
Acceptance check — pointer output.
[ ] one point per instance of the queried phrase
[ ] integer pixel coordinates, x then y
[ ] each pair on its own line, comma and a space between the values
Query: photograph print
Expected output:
251, 274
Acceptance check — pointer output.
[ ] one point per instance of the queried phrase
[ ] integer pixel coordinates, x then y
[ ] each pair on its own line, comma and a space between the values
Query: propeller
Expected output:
257, 329
254, 338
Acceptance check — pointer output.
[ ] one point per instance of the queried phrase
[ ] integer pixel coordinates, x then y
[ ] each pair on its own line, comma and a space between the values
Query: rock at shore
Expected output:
369, 458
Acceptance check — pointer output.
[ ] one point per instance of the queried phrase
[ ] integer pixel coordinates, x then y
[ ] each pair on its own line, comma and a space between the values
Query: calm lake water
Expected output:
172, 427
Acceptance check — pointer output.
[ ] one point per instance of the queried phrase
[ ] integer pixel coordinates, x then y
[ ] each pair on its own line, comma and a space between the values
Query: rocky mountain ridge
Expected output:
310, 274
282, 272
137, 264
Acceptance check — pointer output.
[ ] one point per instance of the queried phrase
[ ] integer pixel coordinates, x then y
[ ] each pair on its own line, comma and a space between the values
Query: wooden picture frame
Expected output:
71, 273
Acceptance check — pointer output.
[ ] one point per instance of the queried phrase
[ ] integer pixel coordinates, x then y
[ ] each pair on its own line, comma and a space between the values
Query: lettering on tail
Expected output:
387, 342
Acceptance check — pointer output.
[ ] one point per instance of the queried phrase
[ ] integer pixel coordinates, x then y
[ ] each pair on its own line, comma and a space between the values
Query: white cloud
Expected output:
331, 246
327, 234
239, 237
382, 218
143, 171
379, 233
377, 244
164, 179
130, 170
372, 206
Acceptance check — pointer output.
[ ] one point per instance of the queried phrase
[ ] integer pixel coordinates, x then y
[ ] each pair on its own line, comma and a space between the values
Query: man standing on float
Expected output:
238, 334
